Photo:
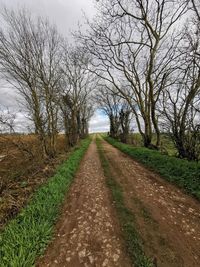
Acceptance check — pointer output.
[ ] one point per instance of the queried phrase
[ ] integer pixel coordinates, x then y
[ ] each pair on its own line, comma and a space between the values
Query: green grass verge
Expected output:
185, 174
167, 144
26, 237
126, 217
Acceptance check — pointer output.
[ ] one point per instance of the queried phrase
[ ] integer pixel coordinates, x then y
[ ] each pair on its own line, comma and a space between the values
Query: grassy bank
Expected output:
181, 172
127, 219
26, 237
166, 142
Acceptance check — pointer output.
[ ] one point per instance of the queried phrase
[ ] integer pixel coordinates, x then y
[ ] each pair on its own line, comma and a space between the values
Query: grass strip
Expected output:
126, 217
183, 173
26, 237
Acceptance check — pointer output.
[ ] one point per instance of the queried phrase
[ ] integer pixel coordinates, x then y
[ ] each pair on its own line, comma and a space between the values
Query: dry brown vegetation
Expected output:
22, 170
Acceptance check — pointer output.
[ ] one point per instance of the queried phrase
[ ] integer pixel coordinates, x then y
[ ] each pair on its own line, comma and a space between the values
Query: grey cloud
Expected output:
8, 97
23, 124
65, 14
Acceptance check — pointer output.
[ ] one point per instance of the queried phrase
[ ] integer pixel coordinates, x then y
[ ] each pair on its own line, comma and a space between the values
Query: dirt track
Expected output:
168, 220
88, 233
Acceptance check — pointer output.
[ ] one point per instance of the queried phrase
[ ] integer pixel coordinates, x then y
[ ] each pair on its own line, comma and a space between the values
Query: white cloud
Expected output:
99, 123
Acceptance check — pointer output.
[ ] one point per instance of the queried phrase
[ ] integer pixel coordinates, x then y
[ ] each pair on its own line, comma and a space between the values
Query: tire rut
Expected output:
87, 233
168, 220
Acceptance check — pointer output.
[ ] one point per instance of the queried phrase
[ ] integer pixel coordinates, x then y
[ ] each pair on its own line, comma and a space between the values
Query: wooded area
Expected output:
146, 54
137, 60
51, 76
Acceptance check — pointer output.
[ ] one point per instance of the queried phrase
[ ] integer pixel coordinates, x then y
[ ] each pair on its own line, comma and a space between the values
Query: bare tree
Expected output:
29, 59
134, 42
196, 8
75, 93
49, 74
7, 120
117, 109
7, 129
86, 112
181, 100
108, 102
125, 120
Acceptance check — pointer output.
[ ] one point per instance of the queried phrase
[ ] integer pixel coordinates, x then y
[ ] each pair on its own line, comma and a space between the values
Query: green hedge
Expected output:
185, 174
26, 237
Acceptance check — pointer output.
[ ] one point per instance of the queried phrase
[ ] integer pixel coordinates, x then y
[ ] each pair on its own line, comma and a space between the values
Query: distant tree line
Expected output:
147, 57
52, 77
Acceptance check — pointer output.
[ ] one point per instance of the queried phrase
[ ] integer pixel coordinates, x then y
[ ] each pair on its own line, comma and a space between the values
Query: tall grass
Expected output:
185, 174
26, 237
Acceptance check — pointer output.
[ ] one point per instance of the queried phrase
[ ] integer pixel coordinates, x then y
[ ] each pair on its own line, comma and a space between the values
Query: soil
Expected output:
167, 219
87, 233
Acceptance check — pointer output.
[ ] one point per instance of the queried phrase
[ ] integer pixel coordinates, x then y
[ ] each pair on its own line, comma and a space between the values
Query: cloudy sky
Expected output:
66, 14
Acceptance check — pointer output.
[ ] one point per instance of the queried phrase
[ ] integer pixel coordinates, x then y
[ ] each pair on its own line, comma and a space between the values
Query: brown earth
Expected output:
21, 173
87, 233
167, 219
